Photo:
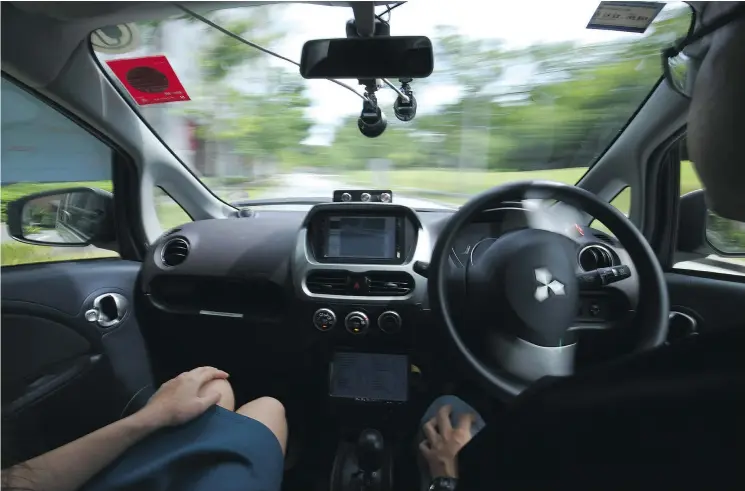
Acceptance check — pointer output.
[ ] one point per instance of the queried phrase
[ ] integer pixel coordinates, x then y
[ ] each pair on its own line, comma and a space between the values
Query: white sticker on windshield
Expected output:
625, 16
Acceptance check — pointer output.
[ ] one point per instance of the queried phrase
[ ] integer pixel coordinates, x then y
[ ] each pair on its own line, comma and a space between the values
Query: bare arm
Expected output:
72, 465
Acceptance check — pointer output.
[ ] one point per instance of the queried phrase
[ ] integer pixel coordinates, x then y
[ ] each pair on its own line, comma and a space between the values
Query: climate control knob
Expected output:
389, 322
357, 322
324, 319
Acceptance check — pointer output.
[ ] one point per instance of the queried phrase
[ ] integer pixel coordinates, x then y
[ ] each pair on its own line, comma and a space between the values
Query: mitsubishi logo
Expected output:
546, 284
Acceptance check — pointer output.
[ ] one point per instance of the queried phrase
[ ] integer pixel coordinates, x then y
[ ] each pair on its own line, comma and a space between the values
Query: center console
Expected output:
360, 252
361, 298
353, 274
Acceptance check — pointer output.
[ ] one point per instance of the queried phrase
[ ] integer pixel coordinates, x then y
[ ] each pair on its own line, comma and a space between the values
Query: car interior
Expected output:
355, 309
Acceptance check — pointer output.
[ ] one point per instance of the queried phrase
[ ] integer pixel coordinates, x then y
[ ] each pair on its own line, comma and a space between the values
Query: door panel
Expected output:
714, 303
64, 376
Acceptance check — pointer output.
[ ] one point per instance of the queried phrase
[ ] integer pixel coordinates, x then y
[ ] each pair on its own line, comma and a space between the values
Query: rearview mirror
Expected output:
65, 217
368, 58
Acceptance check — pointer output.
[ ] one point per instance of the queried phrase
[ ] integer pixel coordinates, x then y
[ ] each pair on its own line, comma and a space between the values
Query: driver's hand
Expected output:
443, 442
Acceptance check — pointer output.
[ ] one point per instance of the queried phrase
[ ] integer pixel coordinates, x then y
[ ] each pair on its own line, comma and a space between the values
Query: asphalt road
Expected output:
317, 186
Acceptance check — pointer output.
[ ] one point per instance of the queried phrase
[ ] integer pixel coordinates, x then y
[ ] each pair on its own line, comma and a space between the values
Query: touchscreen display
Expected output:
361, 237
370, 376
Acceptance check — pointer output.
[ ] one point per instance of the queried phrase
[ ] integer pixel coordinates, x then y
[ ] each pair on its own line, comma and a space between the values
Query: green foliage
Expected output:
223, 53
17, 253
726, 235
572, 102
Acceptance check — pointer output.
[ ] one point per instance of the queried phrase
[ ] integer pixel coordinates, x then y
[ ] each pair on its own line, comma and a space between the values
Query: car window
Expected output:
43, 150
728, 235
622, 202
504, 103
169, 212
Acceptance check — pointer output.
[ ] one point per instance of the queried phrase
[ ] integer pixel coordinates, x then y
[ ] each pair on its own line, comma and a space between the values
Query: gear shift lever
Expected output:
370, 454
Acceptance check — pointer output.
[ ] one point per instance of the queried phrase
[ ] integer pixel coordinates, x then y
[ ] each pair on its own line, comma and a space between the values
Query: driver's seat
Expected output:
671, 418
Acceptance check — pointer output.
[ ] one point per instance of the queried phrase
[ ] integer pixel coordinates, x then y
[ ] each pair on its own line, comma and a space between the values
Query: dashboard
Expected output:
341, 274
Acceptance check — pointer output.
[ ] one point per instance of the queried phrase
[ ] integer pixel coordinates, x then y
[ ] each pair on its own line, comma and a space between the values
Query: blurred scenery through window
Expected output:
528, 93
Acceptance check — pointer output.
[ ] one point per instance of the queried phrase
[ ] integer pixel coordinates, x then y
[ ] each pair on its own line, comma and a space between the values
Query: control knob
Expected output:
324, 319
365, 197
389, 322
357, 322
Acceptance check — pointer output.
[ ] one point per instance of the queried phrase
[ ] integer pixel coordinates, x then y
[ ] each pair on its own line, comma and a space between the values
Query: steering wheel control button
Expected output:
603, 276
346, 197
365, 197
356, 322
390, 322
324, 319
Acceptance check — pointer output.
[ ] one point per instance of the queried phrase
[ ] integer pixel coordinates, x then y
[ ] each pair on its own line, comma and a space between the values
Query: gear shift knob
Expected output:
370, 450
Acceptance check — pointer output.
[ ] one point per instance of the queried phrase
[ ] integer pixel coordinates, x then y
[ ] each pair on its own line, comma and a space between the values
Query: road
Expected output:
304, 185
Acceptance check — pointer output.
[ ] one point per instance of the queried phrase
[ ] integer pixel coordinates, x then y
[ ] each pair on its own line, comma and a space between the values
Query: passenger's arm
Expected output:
72, 465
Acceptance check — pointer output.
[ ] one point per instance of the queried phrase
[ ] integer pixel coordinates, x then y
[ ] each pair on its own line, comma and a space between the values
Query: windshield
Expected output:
519, 92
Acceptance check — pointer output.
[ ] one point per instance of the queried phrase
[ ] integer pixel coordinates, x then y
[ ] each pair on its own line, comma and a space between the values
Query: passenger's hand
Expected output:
443, 442
177, 401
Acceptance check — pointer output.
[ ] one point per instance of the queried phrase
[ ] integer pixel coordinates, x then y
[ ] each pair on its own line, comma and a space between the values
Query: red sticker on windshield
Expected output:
150, 80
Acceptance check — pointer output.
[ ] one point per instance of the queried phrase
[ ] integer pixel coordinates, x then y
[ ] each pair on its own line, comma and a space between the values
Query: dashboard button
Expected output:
365, 197
357, 322
389, 322
324, 319
346, 197
385, 197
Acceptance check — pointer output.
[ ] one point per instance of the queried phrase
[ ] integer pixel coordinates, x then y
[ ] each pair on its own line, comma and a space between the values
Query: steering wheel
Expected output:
522, 292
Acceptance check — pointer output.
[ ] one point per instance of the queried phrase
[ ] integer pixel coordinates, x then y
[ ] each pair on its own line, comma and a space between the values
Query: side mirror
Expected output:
692, 223
71, 217
725, 236
703, 232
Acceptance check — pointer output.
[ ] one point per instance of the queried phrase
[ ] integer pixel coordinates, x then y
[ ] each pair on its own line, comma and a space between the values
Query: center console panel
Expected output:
361, 299
360, 253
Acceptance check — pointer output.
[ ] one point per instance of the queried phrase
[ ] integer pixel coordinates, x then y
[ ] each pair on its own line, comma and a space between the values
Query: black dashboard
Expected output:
345, 270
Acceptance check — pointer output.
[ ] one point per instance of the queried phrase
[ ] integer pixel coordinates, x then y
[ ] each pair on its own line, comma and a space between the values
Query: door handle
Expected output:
108, 310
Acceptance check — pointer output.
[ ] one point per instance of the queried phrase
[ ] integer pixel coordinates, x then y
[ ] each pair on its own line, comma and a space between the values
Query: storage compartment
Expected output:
253, 298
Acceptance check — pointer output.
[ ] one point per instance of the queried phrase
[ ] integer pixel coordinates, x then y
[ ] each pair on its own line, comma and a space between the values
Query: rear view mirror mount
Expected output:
368, 58
71, 217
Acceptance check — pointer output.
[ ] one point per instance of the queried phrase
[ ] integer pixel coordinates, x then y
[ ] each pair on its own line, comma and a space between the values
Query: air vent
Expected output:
594, 256
329, 282
389, 284
175, 252
371, 284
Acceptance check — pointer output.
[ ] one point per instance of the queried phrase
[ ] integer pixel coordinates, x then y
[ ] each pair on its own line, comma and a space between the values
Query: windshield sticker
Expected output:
625, 16
150, 80
115, 40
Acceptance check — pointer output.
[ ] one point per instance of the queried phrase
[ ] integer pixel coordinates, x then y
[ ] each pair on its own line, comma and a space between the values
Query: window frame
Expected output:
663, 200
130, 234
